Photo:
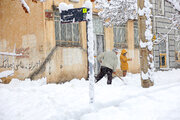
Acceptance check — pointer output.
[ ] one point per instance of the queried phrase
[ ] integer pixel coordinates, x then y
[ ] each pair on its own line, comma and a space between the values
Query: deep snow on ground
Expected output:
36, 100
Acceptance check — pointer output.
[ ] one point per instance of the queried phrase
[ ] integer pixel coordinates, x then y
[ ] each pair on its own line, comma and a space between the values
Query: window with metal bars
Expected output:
136, 36
98, 27
120, 36
66, 34
160, 7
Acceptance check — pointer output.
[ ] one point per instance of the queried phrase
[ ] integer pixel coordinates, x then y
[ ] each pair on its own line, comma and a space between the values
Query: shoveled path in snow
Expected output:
154, 104
34, 100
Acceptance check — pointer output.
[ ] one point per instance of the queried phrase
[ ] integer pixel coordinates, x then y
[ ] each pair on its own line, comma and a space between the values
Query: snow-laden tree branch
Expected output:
176, 4
26, 7
175, 25
116, 12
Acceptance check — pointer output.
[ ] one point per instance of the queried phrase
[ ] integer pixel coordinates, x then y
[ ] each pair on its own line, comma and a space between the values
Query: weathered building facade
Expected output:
58, 51
54, 50
166, 52
34, 36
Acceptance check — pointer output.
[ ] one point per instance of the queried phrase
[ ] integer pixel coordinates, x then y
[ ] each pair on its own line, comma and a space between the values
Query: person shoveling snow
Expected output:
109, 62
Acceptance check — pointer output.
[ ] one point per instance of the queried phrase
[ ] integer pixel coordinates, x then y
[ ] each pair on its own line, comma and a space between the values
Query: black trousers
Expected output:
103, 72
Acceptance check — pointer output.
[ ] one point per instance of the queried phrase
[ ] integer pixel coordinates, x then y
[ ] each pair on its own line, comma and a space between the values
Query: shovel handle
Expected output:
120, 79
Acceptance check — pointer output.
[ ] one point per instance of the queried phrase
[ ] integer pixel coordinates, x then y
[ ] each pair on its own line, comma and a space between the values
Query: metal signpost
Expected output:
79, 15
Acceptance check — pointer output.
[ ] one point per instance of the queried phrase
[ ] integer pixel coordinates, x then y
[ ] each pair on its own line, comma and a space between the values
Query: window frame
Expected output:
161, 7
177, 46
162, 47
72, 42
136, 41
100, 24
119, 43
160, 63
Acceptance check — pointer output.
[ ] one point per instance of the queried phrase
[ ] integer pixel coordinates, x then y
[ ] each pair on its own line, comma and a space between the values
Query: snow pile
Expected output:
176, 4
35, 100
64, 6
28, 82
165, 78
6, 73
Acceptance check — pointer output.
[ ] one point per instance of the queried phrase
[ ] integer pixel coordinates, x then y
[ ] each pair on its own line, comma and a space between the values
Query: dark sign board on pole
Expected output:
74, 15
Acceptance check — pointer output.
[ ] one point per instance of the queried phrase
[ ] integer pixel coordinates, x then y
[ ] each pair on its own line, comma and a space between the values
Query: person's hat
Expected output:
115, 50
123, 51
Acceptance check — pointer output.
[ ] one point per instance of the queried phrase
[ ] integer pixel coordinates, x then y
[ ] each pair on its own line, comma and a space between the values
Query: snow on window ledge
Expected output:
74, 1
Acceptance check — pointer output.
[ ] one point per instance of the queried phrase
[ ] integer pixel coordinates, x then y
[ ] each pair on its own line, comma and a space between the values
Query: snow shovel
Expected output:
121, 79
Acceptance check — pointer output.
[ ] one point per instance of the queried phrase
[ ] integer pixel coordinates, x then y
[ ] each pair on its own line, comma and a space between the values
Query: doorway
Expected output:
99, 48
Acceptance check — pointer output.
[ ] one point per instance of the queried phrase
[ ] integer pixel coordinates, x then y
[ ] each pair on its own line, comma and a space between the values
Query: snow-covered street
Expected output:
36, 100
